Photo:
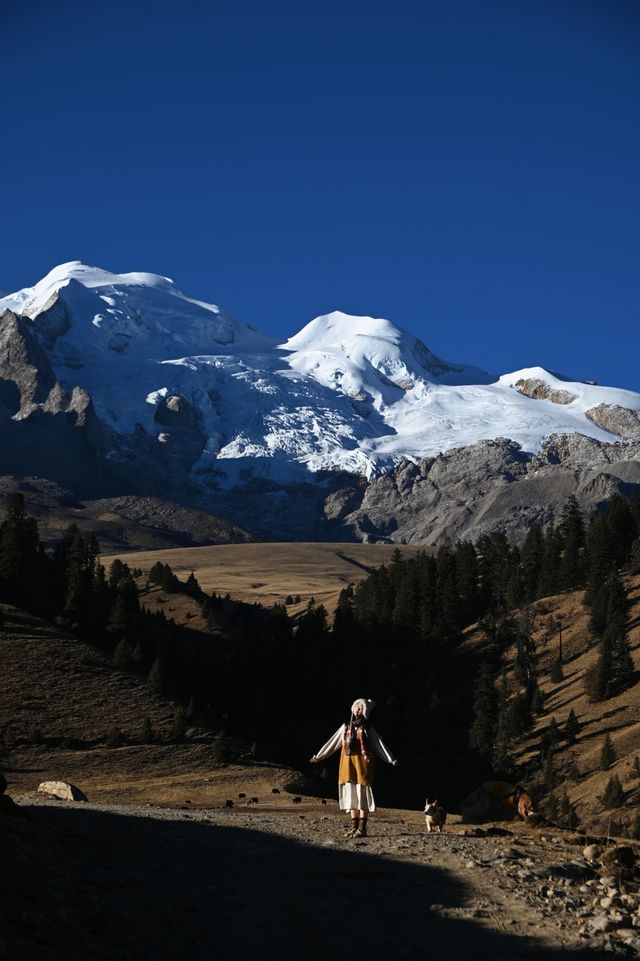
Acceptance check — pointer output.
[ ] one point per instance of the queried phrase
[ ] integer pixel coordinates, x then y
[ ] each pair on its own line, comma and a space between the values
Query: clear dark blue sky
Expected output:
469, 169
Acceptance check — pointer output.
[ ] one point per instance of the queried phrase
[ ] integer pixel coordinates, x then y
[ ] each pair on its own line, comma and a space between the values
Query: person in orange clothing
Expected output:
359, 743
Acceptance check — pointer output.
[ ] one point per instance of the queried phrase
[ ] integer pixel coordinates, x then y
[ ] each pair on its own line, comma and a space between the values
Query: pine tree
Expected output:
192, 588
552, 732
137, 656
467, 581
525, 652
615, 633
192, 711
81, 552
620, 523
613, 796
221, 749
482, 731
567, 815
115, 737
123, 655
179, 728
19, 556
504, 734
343, 617
551, 807
156, 677
572, 530
519, 716
550, 563
556, 675
536, 699
572, 726
548, 771
597, 678
608, 753
531, 558
147, 735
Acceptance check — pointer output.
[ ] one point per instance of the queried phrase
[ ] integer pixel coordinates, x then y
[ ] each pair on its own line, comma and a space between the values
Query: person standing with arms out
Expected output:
359, 743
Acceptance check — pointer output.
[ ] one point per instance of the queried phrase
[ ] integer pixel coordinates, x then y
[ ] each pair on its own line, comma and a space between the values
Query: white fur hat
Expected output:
367, 705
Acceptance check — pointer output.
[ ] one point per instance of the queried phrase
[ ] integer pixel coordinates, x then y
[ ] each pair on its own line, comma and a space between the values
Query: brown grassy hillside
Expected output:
267, 573
61, 700
577, 763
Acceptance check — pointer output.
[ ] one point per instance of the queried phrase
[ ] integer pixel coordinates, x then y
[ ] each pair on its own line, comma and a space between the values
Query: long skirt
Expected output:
355, 782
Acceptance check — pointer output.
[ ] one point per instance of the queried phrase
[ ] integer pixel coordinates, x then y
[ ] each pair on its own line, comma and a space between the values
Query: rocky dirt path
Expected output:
83, 881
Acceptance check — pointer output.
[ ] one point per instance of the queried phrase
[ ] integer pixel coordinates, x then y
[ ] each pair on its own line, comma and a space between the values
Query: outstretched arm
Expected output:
380, 747
333, 744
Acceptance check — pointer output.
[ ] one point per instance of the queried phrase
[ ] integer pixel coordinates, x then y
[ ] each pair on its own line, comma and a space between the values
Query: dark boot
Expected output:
361, 832
352, 830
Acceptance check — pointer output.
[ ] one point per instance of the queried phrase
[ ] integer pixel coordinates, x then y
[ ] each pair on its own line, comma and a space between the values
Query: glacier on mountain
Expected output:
357, 394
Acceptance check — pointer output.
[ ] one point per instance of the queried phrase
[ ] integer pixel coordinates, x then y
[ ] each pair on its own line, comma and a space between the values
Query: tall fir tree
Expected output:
572, 531
19, 555
482, 731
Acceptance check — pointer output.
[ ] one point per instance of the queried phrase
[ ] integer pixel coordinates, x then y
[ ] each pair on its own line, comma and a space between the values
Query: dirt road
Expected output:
81, 882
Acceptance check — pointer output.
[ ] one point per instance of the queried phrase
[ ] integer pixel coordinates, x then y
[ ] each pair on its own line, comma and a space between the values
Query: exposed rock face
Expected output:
23, 363
43, 429
539, 390
52, 322
342, 501
489, 487
181, 431
619, 420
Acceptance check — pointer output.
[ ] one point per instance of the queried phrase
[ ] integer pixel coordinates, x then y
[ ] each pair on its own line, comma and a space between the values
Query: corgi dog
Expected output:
525, 806
434, 815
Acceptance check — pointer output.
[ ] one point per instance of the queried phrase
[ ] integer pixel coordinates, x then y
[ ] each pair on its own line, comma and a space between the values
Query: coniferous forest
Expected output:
284, 685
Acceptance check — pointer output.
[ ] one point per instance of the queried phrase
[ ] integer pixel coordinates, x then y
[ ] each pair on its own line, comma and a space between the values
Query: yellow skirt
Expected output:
355, 769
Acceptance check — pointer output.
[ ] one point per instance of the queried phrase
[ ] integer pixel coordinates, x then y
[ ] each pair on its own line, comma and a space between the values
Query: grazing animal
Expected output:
297, 800
525, 806
434, 815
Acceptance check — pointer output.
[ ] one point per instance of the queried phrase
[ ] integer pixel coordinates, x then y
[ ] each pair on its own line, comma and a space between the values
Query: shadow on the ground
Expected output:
119, 887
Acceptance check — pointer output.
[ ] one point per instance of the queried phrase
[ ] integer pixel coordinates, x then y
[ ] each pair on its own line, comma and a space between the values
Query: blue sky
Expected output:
468, 169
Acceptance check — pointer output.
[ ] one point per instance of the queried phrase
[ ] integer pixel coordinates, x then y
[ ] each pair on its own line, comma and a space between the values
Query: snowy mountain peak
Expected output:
344, 329
129, 313
32, 300
168, 372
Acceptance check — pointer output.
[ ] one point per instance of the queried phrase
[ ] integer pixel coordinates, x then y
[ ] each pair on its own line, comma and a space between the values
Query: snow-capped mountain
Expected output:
351, 393
121, 384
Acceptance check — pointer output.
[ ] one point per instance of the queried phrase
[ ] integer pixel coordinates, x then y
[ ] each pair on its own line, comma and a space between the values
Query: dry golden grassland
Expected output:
578, 763
267, 573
